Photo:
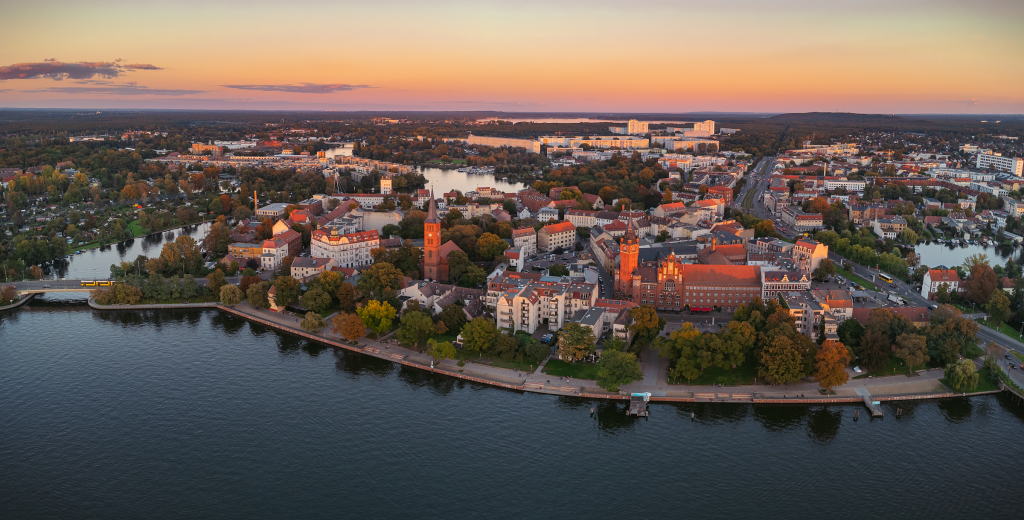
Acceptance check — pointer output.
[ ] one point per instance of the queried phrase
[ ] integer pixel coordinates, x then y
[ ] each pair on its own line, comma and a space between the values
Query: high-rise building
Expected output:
1014, 165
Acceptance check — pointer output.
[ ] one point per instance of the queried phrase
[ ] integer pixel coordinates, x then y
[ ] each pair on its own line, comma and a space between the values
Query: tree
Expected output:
478, 334
377, 316
646, 324
980, 284
440, 351
330, 282
416, 327
312, 322
347, 296
349, 325
825, 269
874, 349
558, 270
215, 281
489, 246
912, 349
505, 346
380, 282
9, 294
942, 295
830, 368
316, 300
615, 369
453, 317
256, 295
230, 295
962, 375
576, 341
764, 228
781, 361
998, 307
286, 291
850, 332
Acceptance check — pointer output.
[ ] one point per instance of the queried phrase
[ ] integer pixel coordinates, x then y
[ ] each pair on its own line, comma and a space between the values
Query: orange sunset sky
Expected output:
897, 56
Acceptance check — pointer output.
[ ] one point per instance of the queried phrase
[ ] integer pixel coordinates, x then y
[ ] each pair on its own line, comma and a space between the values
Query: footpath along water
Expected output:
170, 414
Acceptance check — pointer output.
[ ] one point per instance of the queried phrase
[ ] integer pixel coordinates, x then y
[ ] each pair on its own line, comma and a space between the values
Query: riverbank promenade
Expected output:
923, 385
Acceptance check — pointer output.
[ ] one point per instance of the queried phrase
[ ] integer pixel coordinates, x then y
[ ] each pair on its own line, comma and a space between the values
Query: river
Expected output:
197, 414
934, 254
95, 263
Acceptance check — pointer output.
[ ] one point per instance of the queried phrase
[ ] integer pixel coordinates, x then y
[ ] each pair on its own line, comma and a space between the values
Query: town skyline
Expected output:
792, 56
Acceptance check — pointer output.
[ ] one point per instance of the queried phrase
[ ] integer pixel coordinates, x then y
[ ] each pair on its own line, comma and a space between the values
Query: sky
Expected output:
657, 56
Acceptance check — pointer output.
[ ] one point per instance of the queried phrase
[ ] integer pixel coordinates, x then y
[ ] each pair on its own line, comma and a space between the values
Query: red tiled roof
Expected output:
944, 275
559, 227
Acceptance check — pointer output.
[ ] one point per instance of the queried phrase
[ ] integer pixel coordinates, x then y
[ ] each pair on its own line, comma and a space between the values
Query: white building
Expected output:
1014, 165
936, 278
525, 239
633, 127
351, 250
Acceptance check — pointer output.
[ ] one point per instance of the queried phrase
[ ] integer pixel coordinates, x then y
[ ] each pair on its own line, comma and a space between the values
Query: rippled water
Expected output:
195, 414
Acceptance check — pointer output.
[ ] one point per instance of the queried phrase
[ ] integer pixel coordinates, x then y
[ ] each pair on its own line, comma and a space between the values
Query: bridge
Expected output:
44, 286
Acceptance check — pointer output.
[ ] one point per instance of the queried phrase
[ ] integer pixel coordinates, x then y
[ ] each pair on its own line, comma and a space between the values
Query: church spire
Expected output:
432, 211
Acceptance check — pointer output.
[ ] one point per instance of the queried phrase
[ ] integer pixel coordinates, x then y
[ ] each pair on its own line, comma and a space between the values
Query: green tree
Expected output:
256, 295
330, 282
912, 349
942, 295
830, 367
416, 327
576, 341
312, 322
478, 334
230, 295
558, 270
440, 351
316, 300
189, 287
824, 270
286, 291
506, 347
998, 307
489, 246
961, 375
616, 368
377, 316
453, 317
380, 282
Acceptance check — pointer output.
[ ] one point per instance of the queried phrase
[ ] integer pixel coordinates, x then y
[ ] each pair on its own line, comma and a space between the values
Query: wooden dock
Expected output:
873, 407
638, 405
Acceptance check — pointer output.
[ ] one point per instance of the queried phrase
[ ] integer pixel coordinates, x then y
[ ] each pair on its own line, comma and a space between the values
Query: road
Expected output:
76, 285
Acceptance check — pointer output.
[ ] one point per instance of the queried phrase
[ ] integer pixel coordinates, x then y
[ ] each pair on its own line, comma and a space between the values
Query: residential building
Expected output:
633, 127
808, 254
583, 218
244, 251
776, 281
525, 238
801, 222
530, 144
348, 250
890, 227
305, 267
936, 278
554, 236
1013, 165
274, 211
721, 192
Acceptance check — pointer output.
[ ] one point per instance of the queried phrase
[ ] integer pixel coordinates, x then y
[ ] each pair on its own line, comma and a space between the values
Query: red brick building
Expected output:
721, 192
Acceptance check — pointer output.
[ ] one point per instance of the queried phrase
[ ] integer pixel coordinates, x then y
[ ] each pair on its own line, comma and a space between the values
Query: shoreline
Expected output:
401, 356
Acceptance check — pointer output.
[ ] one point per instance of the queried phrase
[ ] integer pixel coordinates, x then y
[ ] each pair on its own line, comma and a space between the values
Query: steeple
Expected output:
630, 229
432, 210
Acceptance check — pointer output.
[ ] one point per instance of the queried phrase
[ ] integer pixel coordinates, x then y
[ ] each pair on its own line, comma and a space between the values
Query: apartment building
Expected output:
889, 228
1014, 165
530, 144
581, 217
534, 303
553, 236
349, 250
800, 221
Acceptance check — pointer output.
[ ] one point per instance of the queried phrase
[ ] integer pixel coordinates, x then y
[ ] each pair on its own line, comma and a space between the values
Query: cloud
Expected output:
125, 89
497, 103
302, 88
969, 102
58, 70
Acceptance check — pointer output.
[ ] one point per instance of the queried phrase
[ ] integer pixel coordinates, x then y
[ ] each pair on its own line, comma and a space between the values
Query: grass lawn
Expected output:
856, 279
475, 357
1004, 328
579, 370
136, 229
441, 338
748, 199
1020, 357
893, 367
450, 161
741, 375
985, 383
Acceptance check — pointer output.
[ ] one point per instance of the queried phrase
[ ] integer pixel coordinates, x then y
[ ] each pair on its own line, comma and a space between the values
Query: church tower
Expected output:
431, 241
629, 255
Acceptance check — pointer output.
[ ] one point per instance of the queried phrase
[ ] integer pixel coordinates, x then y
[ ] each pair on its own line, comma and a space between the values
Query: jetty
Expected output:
870, 402
638, 404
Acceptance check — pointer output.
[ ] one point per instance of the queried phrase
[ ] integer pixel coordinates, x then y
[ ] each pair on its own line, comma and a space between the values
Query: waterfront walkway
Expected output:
923, 385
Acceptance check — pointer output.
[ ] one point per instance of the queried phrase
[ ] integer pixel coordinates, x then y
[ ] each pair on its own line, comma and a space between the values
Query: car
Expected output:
857, 370
47, 286
1009, 356
933, 306
1014, 367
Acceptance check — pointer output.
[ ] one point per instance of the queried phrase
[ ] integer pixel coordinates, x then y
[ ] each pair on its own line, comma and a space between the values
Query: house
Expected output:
525, 238
889, 228
304, 268
936, 278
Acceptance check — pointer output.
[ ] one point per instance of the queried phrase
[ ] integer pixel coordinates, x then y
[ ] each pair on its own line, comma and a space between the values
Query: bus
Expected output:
885, 278
88, 283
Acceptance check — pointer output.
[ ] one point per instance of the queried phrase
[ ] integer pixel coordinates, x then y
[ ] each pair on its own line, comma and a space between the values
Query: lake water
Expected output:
95, 263
196, 414
934, 254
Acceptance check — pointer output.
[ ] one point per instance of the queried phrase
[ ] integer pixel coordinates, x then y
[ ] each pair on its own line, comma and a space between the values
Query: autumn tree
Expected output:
215, 281
616, 368
874, 349
489, 245
380, 282
576, 341
980, 284
349, 325
256, 295
781, 361
9, 294
765, 228
830, 366
377, 316
347, 296
646, 324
